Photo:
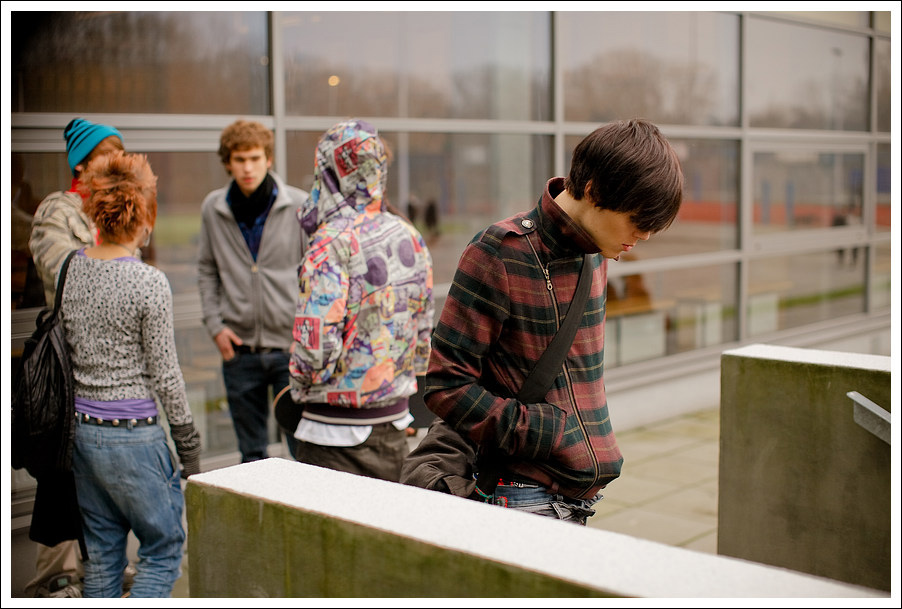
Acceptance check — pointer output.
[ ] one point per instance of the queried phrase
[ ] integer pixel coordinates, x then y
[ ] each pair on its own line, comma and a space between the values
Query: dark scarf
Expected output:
248, 209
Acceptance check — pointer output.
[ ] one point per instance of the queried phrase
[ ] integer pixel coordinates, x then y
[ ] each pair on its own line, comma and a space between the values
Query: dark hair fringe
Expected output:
628, 166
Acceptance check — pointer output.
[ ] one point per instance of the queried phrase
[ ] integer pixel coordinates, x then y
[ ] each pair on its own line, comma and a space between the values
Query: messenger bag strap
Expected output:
539, 381
61, 282
537, 384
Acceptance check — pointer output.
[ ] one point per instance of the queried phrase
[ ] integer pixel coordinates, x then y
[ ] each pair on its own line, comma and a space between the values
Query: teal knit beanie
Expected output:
82, 136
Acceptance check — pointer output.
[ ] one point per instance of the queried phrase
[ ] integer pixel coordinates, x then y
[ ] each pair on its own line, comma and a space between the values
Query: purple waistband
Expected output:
341, 415
118, 409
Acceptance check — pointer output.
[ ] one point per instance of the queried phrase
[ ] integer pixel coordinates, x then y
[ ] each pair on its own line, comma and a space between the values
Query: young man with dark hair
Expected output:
513, 286
250, 249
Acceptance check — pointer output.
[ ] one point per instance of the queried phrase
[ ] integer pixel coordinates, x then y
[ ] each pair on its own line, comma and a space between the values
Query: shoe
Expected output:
60, 586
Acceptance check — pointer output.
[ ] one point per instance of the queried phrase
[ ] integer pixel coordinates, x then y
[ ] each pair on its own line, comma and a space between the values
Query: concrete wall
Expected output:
277, 528
802, 485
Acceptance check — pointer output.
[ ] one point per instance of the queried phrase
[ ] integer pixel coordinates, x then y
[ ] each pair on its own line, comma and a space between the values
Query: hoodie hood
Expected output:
349, 175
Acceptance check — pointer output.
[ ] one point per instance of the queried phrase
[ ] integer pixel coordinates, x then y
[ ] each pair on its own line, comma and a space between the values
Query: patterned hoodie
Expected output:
365, 306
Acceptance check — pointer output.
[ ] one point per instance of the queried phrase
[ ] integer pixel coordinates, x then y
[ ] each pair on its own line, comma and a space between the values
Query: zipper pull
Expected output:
539, 260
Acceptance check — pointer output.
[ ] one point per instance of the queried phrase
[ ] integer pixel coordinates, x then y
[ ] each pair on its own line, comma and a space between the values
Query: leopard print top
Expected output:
117, 316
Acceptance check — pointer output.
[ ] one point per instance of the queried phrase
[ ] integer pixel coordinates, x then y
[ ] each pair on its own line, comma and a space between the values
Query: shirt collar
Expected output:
560, 233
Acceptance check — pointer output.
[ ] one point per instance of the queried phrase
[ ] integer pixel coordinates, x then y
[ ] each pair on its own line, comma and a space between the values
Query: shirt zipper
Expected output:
547, 278
557, 317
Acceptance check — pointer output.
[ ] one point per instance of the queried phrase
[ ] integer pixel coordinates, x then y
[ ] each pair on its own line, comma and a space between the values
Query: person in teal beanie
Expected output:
82, 137
59, 225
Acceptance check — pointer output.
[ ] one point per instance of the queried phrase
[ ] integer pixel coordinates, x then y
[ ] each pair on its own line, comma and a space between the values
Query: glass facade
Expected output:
789, 291
653, 314
822, 82
781, 122
674, 68
883, 206
417, 64
803, 189
140, 62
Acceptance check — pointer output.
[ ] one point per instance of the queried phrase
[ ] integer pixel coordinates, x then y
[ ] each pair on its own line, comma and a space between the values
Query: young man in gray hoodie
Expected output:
250, 250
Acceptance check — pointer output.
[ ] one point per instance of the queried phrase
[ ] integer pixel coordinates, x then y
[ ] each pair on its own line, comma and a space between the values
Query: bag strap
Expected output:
539, 381
549, 365
61, 282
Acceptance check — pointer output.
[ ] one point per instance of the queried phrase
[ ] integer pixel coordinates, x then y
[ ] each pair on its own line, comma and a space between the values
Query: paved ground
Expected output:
667, 491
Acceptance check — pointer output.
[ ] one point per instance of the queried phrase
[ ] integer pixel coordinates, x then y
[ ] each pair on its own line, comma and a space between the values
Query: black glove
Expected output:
187, 445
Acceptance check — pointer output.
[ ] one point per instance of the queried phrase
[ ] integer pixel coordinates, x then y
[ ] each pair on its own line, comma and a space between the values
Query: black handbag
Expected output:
43, 404
447, 462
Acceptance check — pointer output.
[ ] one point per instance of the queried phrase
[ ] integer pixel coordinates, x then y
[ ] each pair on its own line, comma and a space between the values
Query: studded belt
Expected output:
84, 418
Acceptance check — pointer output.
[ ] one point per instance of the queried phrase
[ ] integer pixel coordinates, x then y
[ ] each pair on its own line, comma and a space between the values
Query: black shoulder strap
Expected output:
547, 368
539, 381
61, 282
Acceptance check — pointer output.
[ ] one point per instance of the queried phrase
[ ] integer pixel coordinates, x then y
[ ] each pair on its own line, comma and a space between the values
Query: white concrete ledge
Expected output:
611, 563
814, 356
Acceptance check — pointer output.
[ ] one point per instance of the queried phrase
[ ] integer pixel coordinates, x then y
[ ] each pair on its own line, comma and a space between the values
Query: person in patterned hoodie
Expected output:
364, 312
513, 285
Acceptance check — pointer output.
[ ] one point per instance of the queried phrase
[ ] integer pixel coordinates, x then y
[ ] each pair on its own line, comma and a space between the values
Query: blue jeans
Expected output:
126, 480
248, 378
537, 500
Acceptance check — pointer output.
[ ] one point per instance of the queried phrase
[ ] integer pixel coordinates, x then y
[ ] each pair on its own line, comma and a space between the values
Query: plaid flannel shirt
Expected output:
499, 317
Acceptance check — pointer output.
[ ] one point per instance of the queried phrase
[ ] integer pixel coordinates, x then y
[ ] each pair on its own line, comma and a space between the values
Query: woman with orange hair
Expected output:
117, 316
